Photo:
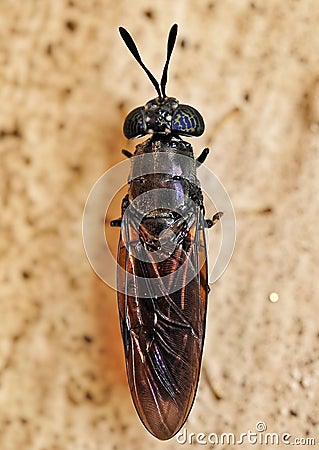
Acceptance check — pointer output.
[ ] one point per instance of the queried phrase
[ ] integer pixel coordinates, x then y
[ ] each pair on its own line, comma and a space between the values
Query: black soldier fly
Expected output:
162, 279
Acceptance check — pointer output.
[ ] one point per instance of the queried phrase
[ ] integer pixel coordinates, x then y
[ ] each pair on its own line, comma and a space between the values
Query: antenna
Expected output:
170, 45
127, 38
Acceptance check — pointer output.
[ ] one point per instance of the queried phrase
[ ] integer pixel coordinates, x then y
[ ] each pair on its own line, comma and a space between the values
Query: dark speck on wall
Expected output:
183, 43
149, 14
247, 96
77, 168
66, 91
26, 274
87, 338
71, 25
10, 133
89, 396
16, 133
49, 49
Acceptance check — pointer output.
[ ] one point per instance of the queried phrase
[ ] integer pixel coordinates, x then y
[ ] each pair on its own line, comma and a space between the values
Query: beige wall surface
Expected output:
66, 84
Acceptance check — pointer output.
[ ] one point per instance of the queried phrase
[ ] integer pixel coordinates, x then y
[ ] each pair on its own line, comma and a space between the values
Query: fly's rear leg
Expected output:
125, 203
209, 223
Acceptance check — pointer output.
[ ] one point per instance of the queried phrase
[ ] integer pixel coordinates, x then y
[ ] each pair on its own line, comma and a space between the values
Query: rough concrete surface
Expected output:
66, 85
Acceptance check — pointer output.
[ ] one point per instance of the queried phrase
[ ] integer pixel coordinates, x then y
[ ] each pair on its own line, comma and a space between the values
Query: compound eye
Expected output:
134, 125
187, 121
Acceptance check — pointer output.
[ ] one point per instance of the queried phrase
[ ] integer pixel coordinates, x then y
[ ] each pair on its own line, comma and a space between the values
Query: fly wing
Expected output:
163, 330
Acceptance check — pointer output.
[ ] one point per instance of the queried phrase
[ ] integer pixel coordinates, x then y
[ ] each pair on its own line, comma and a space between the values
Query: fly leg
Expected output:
125, 203
116, 222
127, 153
201, 158
209, 223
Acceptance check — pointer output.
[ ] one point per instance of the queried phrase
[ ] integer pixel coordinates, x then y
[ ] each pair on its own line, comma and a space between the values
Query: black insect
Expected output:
162, 262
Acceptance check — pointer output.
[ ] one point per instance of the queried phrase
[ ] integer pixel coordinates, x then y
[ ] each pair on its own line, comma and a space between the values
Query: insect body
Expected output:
162, 263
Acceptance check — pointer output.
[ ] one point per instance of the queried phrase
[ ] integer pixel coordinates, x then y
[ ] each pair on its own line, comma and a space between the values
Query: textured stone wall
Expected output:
66, 84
